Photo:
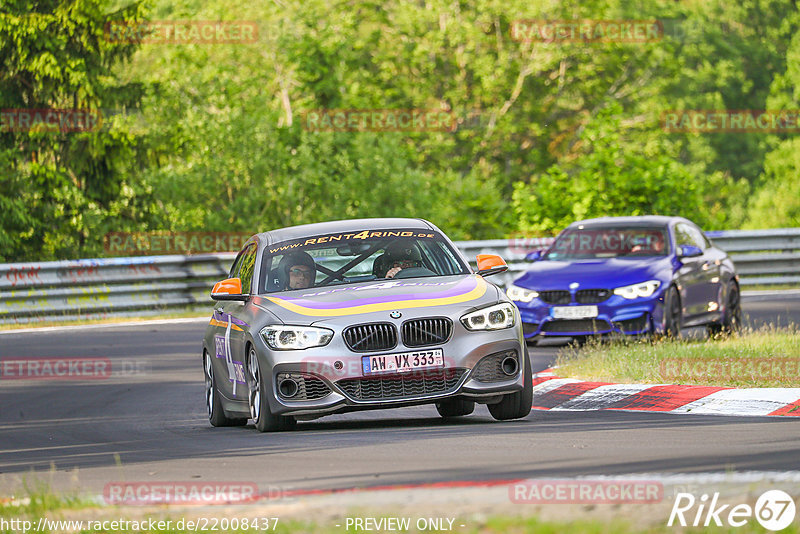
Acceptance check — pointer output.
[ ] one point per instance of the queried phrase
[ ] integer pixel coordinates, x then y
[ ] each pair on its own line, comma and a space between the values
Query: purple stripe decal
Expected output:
465, 286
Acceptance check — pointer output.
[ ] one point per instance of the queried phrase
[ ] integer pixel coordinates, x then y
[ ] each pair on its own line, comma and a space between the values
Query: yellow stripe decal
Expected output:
476, 292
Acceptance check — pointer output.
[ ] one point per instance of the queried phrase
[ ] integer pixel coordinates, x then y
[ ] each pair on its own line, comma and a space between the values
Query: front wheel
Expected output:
264, 420
516, 405
672, 313
216, 415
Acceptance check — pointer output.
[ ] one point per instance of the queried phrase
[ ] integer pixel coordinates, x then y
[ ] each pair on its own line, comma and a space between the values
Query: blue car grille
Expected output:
592, 296
555, 297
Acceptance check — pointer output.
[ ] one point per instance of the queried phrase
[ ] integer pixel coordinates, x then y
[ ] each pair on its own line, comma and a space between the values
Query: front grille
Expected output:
576, 326
555, 297
592, 296
634, 325
370, 337
403, 385
489, 368
422, 332
308, 387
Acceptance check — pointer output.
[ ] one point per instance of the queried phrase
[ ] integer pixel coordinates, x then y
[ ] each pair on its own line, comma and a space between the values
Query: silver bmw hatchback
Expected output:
362, 314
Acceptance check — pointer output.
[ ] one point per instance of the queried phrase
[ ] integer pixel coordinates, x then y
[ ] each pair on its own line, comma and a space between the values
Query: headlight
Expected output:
645, 289
491, 318
295, 337
521, 294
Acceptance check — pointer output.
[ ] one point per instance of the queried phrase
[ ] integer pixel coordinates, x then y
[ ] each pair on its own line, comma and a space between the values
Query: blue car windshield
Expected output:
611, 242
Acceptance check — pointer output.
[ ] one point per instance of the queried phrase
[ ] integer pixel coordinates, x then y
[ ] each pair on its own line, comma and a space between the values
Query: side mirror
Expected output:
229, 289
689, 251
489, 264
536, 255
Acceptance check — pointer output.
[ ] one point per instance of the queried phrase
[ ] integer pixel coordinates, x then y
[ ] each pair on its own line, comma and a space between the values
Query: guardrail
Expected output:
145, 285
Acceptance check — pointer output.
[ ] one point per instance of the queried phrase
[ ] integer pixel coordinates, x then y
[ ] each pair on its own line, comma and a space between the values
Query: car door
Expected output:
711, 280
231, 339
691, 276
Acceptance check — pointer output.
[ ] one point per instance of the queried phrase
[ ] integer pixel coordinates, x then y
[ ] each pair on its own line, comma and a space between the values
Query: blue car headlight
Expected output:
634, 291
521, 294
492, 318
286, 337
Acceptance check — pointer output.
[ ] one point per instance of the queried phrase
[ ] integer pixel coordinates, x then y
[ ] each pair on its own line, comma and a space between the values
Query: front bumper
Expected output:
334, 376
615, 315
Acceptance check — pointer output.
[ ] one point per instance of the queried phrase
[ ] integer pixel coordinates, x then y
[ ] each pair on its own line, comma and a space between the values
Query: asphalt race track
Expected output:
147, 422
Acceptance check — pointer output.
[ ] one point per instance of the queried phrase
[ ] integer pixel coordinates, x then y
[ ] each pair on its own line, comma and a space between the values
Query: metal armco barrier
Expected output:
144, 285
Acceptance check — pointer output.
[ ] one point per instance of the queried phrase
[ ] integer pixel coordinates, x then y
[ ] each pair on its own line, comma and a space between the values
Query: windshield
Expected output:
587, 243
347, 258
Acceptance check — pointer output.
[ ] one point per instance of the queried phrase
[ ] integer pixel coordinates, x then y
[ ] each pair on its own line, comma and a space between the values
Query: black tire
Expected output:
516, 405
455, 407
264, 420
216, 413
673, 318
732, 321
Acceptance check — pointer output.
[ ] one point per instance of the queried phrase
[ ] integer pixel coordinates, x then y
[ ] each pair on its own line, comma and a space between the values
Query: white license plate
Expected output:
574, 312
403, 362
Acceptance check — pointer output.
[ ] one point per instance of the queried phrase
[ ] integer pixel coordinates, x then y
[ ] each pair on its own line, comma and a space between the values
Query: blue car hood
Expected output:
604, 273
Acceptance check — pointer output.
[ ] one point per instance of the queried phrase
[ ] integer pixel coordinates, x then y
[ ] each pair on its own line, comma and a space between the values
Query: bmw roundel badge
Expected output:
395, 315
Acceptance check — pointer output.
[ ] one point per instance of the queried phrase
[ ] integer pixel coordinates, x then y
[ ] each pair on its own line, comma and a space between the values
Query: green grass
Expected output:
768, 357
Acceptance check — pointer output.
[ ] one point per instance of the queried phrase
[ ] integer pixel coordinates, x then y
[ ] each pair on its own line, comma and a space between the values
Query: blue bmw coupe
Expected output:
629, 275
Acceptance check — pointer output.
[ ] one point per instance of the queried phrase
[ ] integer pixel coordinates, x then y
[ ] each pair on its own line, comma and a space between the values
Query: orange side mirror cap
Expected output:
228, 289
489, 264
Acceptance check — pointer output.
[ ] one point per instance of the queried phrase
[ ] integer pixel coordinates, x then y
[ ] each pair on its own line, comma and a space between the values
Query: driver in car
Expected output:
298, 269
402, 256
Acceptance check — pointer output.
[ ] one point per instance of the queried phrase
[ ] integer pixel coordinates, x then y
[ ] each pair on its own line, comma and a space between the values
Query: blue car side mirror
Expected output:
534, 256
689, 251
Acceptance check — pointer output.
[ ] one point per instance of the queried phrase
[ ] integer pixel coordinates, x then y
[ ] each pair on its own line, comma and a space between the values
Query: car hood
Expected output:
605, 273
374, 301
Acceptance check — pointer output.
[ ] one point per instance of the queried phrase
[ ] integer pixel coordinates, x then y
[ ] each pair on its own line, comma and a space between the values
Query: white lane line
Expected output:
146, 322
753, 401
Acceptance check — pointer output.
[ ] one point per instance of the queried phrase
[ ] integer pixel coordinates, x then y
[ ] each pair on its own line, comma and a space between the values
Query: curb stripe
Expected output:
664, 398
790, 410
564, 393
569, 394
602, 397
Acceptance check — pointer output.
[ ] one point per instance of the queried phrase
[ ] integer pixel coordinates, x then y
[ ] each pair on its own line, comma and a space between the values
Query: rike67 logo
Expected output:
774, 510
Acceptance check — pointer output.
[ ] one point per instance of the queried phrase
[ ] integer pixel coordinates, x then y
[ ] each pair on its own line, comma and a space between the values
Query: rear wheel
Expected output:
455, 407
672, 313
216, 415
516, 405
264, 420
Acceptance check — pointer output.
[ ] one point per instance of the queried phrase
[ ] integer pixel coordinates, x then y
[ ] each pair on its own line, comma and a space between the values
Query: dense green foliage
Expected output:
211, 137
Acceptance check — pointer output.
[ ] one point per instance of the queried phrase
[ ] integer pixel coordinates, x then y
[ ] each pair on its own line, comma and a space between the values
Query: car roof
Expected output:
350, 225
638, 220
